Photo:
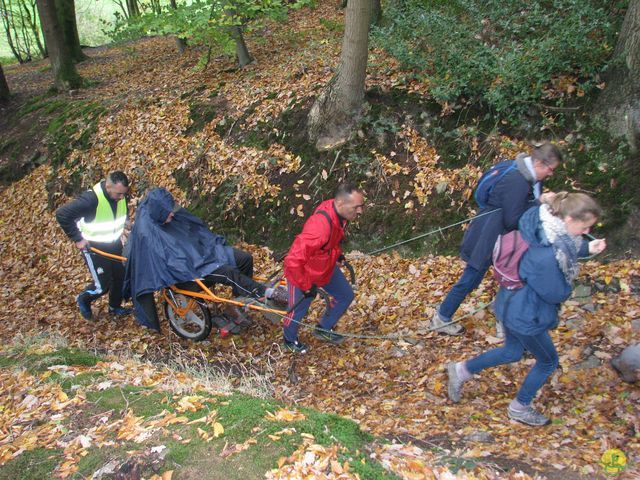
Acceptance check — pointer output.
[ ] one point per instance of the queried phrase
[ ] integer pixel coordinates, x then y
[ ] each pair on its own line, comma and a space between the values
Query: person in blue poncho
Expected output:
548, 267
168, 245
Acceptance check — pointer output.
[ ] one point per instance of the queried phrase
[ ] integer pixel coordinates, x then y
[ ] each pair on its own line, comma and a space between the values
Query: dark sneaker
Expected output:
237, 316
296, 346
120, 311
528, 416
85, 307
438, 324
280, 296
328, 335
455, 383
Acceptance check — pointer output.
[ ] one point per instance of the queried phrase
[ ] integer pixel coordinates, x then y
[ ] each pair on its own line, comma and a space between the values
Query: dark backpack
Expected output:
507, 253
490, 178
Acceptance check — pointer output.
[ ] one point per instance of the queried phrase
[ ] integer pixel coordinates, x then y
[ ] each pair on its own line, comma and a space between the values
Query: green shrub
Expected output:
505, 55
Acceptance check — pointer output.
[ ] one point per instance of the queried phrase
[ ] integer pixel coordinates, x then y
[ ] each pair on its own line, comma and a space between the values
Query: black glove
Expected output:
312, 292
341, 258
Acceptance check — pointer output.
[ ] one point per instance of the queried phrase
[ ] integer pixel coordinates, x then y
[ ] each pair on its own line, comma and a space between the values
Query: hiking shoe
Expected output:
85, 307
328, 335
438, 324
528, 416
280, 296
455, 383
296, 347
120, 311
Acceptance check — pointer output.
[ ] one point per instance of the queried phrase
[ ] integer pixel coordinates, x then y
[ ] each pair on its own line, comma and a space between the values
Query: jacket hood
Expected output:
523, 169
531, 229
158, 204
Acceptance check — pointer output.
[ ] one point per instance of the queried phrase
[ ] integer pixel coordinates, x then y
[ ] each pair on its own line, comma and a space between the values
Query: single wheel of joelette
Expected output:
191, 319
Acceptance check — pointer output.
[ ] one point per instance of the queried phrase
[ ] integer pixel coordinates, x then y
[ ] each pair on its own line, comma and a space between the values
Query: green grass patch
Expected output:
32, 464
64, 356
70, 384
142, 401
95, 459
8, 361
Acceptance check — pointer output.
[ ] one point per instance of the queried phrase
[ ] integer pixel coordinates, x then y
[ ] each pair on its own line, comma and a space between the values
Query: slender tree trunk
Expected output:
133, 9
619, 103
67, 17
339, 106
7, 18
31, 18
235, 31
181, 43
242, 52
4, 87
64, 70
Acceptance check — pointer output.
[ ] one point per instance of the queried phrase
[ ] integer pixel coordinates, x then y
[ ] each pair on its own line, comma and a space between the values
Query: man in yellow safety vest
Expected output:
96, 219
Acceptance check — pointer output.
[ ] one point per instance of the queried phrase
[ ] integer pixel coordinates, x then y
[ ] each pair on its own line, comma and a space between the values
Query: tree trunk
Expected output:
181, 43
339, 106
64, 70
67, 17
235, 31
242, 52
619, 103
4, 86
376, 13
133, 9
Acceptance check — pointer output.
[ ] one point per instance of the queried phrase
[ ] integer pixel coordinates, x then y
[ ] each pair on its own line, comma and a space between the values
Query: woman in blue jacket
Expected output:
554, 234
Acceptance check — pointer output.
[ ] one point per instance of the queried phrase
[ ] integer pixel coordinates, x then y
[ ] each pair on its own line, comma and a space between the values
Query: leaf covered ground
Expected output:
391, 388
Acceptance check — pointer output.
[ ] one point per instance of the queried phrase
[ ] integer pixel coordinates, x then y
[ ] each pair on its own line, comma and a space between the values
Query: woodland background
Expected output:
251, 113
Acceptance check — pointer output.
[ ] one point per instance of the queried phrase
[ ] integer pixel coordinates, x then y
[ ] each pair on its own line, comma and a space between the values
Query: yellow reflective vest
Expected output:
105, 227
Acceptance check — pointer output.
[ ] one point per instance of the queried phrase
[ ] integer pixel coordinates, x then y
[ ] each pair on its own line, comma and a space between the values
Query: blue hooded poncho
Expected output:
163, 254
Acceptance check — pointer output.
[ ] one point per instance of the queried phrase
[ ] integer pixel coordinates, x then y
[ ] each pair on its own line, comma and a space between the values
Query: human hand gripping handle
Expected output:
597, 246
352, 273
82, 244
312, 292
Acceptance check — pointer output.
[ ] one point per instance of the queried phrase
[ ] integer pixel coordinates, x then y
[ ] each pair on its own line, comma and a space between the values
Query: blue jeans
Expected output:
468, 282
542, 348
342, 296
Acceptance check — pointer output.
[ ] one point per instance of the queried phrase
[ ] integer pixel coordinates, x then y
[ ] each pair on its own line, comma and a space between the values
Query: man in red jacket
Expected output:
313, 261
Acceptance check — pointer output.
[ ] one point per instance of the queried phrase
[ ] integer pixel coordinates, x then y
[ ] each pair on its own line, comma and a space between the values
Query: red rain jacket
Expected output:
315, 251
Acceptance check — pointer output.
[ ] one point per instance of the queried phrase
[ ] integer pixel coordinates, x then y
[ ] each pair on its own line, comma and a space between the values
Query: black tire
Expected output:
195, 324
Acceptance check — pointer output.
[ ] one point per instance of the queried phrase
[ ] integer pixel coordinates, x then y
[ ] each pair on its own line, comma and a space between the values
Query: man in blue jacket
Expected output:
512, 195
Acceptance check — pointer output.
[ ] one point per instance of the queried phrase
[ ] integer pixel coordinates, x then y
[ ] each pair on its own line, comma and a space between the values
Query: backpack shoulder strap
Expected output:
326, 215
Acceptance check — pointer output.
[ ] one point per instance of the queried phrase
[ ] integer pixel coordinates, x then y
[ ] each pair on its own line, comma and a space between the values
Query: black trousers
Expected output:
239, 278
107, 274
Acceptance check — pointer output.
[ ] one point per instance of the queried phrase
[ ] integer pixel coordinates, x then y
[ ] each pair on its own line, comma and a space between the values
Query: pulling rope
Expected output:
423, 235
395, 337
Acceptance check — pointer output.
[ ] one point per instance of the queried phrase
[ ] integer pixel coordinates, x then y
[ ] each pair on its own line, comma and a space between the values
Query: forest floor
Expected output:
392, 389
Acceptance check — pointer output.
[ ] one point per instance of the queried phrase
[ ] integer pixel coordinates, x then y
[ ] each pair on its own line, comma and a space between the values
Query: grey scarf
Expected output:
565, 246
